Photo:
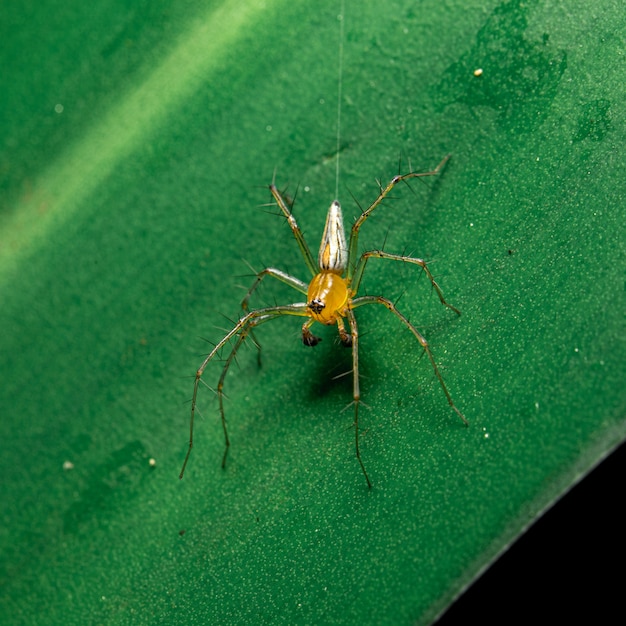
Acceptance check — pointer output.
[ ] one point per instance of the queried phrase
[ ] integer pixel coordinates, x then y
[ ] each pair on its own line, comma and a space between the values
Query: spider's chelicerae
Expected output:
331, 297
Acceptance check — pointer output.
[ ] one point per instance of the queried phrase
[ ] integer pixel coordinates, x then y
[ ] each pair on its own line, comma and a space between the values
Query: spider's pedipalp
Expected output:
308, 338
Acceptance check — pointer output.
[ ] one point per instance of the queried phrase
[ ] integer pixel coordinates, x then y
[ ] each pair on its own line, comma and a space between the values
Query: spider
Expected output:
331, 297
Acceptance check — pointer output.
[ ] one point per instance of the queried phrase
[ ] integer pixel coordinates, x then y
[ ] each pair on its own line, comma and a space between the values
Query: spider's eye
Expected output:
316, 306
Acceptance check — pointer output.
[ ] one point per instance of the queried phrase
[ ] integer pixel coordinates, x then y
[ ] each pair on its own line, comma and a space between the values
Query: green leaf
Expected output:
137, 142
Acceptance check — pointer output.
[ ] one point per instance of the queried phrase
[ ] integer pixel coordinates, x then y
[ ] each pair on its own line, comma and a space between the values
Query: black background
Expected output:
568, 567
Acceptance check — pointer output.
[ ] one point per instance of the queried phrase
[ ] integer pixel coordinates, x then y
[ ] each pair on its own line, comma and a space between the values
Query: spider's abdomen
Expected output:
333, 254
327, 297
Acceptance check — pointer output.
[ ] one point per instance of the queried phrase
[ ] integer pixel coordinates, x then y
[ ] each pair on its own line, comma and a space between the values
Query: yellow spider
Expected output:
331, 296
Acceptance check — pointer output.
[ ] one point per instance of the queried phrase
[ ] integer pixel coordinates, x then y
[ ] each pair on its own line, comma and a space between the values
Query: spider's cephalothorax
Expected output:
331, 297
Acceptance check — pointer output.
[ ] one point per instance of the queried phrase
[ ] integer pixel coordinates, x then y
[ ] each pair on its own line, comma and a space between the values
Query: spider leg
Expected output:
292, 281
383, 193
357, 302
356, 392
380, 254
240, 330
297, 233
220, 387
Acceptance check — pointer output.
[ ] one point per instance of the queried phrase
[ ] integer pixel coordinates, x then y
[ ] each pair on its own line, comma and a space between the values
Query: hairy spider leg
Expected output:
362, 300
356, 391
241, 329
380, 254
292, 281
384, 192
297, 232
220, 387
